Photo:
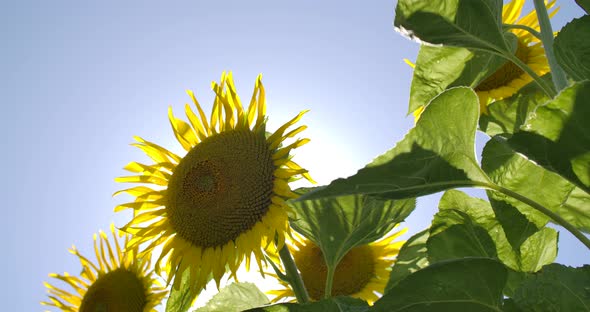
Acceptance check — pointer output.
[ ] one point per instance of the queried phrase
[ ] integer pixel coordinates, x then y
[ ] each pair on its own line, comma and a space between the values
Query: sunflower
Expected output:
362, 273
119, 281
225, 199
509, 78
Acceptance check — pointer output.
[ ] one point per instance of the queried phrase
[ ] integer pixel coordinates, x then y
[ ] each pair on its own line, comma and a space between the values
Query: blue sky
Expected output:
80, 78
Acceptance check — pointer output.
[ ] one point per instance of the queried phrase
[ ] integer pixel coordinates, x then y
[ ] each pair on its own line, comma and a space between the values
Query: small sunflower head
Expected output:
225, 198
117, 281
362, 273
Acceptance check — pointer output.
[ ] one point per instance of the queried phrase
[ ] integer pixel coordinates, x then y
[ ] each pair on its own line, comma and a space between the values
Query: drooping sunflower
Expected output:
362, 273
509, 78
225, 199
118, 281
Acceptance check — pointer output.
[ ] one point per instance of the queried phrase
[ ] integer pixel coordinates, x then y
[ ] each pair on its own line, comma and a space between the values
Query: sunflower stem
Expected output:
557, 74
293, 275
329, 282
555, 217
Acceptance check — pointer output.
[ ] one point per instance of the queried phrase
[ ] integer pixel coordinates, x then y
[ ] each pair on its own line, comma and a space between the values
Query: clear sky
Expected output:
78, 79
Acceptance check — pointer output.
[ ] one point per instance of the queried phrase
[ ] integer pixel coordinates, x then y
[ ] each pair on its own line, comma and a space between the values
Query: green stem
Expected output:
557, 74
547, 88
293, 275
555, 217
523, 27
329, 281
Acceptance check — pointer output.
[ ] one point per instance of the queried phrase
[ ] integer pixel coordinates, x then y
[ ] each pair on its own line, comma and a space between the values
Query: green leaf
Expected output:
557, 135
482, 214
412, 257
464, 23
235, 297
538, 250
500, 232
516, 226
515, 279
339, 224
572, 48
510, 306
181, 299
454, 235
584, 4
438, 68
555, 288
437, 154
508, 115
336, 304
576, 210
515, 172
469, 284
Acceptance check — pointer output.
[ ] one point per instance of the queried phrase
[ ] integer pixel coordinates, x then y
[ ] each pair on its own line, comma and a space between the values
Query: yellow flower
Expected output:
225, 199
509, 78
362, 273
119, 281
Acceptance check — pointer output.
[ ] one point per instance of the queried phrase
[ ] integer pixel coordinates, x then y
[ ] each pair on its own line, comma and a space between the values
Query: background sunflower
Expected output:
117, 281
362, 273
510, 78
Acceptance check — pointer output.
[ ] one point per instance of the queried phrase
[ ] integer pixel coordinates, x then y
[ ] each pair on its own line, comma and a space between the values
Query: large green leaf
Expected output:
481, 214
538, 250
572, 48
533, 247
516, 226
453, 235
576, 210
499, 230
463, 23
584, 4
508, 115
557, 135
339, 224
336, 304
235, 297
517, 173
412, 257
555, 288
437, 154
438, 68
469, 284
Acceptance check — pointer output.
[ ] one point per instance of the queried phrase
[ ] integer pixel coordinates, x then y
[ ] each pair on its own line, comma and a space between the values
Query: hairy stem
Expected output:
293, 275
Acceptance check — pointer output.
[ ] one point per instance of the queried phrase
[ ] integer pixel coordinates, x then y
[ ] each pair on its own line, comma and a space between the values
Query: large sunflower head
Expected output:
118, 281
362, 273
224, 199
509, 78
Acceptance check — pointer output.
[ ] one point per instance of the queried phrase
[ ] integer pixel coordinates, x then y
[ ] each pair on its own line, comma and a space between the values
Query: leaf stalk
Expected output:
557, 73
